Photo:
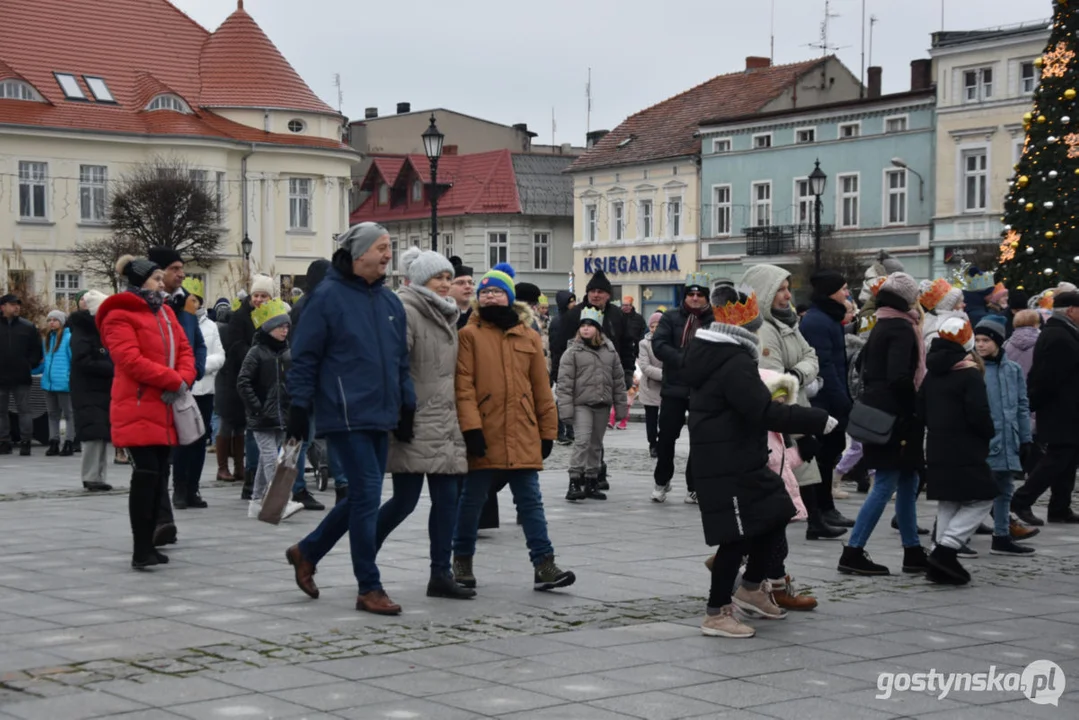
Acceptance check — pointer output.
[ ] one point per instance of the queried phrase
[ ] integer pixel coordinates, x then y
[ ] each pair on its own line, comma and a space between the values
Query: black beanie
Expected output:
827, 282
1018, 299
138, 270
527, 293
163, 256
462, 271
599, 281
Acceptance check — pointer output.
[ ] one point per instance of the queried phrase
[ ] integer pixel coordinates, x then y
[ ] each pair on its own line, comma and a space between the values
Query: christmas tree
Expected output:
1040, 247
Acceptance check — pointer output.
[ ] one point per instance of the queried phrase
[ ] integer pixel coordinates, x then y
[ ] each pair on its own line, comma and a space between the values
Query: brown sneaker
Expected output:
784, 596
1019, 531
377, 602
305, 571
758, 603
726, 625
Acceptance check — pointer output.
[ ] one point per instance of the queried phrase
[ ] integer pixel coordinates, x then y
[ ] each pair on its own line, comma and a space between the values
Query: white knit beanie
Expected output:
57, 315
93, 299
263, 284
424, 265
950, 300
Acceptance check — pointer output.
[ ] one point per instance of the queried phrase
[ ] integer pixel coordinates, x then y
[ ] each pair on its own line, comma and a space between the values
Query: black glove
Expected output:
808, 446
1024, 453
546, 446
405, 426
299, 424
476, 444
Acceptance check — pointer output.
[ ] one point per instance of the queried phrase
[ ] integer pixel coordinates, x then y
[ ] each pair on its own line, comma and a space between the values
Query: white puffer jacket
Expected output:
215, 354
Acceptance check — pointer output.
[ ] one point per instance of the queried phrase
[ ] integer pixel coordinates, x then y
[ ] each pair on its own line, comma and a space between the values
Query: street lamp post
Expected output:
432, 145
817, 181
900, 163
245, 246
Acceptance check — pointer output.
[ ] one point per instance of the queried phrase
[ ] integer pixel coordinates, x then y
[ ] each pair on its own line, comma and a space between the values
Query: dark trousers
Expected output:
189, 460
831, 449
761, 551
1056, 472
672, 417
651, 424
444, 491
149, 481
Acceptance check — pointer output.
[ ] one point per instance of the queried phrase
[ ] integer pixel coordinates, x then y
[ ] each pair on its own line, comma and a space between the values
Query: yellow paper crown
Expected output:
267, 310
738, 313
936, 292
1045, 302
194, 287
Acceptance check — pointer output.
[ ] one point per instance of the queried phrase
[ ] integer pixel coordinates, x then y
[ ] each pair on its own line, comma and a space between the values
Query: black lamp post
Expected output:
245, 246
432, 145
817, 181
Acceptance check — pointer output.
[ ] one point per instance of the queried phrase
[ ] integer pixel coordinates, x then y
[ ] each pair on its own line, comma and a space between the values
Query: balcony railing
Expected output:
783, 239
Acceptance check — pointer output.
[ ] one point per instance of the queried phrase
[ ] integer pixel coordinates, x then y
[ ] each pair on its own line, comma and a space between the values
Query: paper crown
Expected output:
999, 294
593, 316
1045, 300
936, 292
269, 309
982, 281
698, 280
958, 331
543, 300
738, 313
876, 283
193, 286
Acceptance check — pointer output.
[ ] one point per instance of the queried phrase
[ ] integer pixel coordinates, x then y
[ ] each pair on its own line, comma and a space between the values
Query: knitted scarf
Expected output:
693, 321
911, 316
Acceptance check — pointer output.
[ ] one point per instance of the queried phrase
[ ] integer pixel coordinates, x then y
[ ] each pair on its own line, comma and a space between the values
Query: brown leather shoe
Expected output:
1019, 531
377, 602
305, 571
784, 596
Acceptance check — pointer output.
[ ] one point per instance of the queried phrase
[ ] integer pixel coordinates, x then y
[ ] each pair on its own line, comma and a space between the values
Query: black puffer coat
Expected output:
1053, 383
236, 341
889, 365
91, 379
730, 414
955, 406
667, 345
261, 383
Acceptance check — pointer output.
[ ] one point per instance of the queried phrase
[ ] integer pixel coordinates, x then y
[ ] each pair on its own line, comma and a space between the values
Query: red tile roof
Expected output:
667, 129
139, 47
482, 184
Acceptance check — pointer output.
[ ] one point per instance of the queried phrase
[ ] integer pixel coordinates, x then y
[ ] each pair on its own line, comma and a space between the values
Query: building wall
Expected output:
990, 125
45, 245
833, 82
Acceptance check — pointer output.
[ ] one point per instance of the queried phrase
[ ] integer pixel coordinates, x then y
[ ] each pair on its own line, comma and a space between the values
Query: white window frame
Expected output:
718, 142
62, 289
93, 194
966, 153
591, 223
12, 89
843, 196
896, 118
803, 203
758, 136
1035, 78
722, 210
417, 190
617, 225
982, 90
99, 88
69, 85
219, 194
646, 221
674, 217
168, 101
447, 247
809, 129
202, 177
498, 240
857, 125
541, 250
755, 203
300, 200
395, 254
30, 178
888, 192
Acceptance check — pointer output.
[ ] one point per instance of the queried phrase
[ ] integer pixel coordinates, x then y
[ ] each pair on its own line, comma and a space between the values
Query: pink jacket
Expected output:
782, 460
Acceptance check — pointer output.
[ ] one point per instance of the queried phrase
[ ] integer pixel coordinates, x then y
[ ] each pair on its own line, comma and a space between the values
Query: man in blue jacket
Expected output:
822, 328
350, 368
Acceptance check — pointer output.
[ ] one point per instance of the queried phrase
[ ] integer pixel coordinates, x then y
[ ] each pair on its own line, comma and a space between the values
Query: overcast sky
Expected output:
513, 61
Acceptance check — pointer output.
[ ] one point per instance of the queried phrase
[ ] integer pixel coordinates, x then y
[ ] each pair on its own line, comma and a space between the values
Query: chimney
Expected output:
873, 73
449, 149
403, 108
523, 127
754, 62
921, 74
592, 139
370, 113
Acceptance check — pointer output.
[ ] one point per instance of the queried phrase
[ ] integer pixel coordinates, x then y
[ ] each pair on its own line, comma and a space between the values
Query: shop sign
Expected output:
622, 264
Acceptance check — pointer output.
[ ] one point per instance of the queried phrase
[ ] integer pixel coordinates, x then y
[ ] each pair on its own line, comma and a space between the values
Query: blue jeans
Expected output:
1002, 504
904, 483
251, 452
406, 493
215, 426
363, 454
300, 484
524, 484
337, 468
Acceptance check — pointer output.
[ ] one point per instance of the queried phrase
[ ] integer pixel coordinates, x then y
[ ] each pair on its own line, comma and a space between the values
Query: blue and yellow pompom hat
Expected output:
500, 276
269, 315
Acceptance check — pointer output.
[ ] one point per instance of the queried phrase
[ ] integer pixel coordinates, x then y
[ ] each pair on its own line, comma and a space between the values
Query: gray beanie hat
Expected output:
903, 285
424, 265
57, 315
359, 238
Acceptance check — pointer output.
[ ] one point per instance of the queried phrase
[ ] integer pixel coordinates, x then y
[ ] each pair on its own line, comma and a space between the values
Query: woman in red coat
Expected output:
154, 364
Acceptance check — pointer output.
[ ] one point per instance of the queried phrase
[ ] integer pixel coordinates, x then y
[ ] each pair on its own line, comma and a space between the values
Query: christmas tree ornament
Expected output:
1027, 117
1056, 61
1042, 119
1076, 259
1050, 139
1053, 174
1066, 119
1069, 93
1048, 271
1022, 181
1049, 234
1029, 207
1029, 250
1048, 204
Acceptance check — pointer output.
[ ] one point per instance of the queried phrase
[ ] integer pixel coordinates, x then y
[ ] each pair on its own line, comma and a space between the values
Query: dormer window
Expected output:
70, 86
383, 194
168, 101
417, 190
99, 89
17, 90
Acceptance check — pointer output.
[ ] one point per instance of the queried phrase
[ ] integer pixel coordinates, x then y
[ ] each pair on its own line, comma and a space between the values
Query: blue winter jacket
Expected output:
56, 366
825, 336
350, 357
1007, 389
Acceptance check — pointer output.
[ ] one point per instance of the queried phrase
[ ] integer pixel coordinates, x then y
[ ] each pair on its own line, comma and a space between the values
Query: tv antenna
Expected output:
823, 45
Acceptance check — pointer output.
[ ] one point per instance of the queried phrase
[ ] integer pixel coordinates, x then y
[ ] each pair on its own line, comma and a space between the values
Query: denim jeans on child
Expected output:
1002, 504
904, 483
444, 490
363, 458
524, 484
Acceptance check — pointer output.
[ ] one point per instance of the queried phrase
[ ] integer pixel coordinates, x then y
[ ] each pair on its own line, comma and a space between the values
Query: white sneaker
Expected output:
291, 508
659, 493
691, 498
253, 508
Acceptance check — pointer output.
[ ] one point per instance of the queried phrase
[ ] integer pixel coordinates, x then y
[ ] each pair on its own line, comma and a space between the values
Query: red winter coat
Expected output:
137, 340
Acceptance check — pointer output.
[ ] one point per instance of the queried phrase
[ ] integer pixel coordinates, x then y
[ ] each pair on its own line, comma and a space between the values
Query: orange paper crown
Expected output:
1045, 302
960, 334
936, 292
738, 313
876, 284
998, 294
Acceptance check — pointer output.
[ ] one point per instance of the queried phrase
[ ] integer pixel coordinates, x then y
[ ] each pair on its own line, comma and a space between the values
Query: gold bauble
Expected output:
1022, 181
1029, 207
1039, 62
1069, 94
1042, 119
1014, 244
1027, 117
1049, 234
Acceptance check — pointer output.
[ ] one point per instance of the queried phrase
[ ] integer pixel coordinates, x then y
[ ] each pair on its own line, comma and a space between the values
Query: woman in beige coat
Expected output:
437, 448
651, 384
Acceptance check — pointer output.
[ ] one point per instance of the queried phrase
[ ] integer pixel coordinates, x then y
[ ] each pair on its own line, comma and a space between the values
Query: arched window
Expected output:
417, 190
17, 90
169, 102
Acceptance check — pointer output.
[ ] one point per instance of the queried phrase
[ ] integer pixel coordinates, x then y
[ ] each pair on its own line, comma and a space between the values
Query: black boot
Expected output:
179, 500
24, 448
444, 586
576, 489
54, 448
834, 518
856, 561
914, 560
945, 561
591, 487
68, 449
601, 479
341, 493
816, 529
141, 505
5, 447
194, 499
921, 530
249, 485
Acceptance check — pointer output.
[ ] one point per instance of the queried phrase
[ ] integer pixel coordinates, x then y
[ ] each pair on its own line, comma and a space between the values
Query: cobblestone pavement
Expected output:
222, 631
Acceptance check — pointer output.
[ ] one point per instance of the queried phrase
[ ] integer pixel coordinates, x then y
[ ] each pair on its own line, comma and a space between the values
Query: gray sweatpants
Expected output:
957, 521
95, 461
269, 442
59, 403
22, 407
589, 427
